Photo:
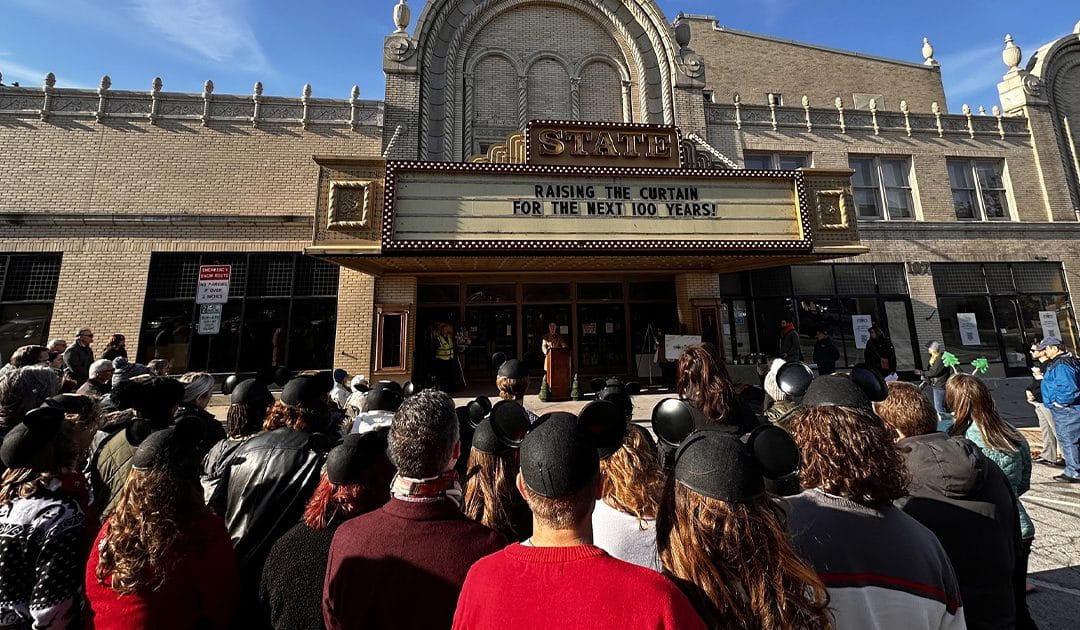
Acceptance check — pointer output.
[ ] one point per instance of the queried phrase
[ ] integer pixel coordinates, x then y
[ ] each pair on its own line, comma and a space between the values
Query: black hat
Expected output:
717, 464
514, 369
557, 459
498, 359
673, 419
383, 398
604, 423
229, 384
479, 408
71, 403
251, 392
775, 451
281, 375
859, 390
175, 449
348, 461
794, 378
307, 390
394, 385
27, 442
503, 429
157, 397
409, 389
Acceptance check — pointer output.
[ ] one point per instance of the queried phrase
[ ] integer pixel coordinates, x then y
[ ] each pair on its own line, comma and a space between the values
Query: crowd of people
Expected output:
343, 504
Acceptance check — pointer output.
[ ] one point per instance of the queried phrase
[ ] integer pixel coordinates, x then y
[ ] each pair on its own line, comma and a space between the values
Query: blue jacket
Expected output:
1061, 382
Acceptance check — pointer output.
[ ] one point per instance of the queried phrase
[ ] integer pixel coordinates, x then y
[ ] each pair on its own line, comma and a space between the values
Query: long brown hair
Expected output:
704, 381
631, 479
971, 402
850, 453
490, 491
736, 564
152, 521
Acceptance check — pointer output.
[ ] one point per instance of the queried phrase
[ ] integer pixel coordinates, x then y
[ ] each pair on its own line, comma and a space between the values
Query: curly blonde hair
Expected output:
631, 480
153, 518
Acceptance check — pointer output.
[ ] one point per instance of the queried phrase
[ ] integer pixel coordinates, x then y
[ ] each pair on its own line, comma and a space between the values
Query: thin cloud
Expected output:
976, 71
213, 29
24, 75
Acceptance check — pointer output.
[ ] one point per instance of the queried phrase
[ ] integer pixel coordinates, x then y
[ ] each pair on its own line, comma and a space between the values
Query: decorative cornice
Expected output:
206, 108
996, 229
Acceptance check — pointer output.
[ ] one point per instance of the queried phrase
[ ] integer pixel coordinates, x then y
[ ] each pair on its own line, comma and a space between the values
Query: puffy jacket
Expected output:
1017, 469
1061, 381
111, 461
265, 489
960, 495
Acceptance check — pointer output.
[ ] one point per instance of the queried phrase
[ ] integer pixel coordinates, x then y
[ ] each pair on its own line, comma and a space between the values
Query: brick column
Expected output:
689, 286
354, 341
103, 288
399, 290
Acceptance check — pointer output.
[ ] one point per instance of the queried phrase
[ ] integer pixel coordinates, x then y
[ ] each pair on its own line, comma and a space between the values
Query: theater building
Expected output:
588, 163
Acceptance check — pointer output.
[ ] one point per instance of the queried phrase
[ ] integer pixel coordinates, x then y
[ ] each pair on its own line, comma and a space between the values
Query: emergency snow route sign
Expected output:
213, 284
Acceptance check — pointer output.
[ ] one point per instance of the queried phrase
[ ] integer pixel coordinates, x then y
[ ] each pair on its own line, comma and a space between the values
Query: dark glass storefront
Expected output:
605, 323
282, 311
27, 290
831, 296
1007, 302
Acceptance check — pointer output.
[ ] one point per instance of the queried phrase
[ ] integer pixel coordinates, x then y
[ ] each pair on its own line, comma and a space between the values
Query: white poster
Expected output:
969, 329
861, 325
675, 344
1049, 322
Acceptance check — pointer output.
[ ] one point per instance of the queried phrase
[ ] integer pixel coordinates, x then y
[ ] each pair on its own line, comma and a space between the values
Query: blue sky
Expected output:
334, 44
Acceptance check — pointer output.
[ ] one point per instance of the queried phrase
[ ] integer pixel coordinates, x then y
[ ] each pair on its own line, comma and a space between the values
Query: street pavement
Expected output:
1054, 568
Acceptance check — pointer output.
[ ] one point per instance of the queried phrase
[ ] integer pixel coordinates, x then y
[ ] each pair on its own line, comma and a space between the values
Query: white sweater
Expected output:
620, 535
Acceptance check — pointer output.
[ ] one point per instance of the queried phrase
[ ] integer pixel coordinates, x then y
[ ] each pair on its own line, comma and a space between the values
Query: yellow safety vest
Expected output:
446, 348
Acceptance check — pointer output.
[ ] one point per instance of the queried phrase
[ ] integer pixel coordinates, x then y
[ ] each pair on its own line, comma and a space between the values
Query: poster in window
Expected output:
969, 329
674, 345
861, 327
589, 329
1049, 321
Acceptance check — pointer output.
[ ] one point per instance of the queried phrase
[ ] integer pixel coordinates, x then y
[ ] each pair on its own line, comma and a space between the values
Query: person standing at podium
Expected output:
552, 339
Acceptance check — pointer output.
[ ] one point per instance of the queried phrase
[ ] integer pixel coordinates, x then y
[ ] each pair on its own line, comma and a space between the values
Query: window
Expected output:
282, 311
775, 161
882, 188
393, 327
978, 190
27, 290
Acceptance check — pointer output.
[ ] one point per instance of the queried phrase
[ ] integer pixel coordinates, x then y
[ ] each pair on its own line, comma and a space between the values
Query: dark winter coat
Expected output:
790, 347
212, 431
77, 360
880, 355
966, 500
826, 355
937, 373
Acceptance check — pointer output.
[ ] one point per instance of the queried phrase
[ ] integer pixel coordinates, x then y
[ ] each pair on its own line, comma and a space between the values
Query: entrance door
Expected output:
491, 329
534, 325
602, 345
1014, 346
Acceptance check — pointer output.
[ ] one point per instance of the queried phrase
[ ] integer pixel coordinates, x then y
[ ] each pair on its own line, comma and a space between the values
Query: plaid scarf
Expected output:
426, 490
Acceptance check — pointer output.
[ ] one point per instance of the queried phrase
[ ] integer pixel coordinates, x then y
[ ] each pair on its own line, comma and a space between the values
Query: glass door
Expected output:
602, 345
490, 329
1011, 337
535, 319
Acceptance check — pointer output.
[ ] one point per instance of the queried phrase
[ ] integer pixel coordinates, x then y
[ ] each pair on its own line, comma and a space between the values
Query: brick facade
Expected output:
108, 179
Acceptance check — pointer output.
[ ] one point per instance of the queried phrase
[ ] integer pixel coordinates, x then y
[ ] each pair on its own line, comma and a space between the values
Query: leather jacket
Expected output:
264, 489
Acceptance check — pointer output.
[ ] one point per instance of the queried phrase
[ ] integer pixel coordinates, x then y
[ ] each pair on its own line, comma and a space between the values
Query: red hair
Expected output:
332, 501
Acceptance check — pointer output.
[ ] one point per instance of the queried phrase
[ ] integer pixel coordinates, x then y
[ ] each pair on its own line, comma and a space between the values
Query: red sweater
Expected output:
569, 587
200, 591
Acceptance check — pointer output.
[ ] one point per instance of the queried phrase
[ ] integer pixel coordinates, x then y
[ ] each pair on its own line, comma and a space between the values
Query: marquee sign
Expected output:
566, 143
434, 207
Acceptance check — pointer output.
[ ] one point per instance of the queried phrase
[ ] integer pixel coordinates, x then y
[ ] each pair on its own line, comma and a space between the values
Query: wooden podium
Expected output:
559, 372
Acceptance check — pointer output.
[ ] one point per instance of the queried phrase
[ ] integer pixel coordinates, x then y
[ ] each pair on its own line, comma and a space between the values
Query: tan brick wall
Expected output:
175, 167
353, 347
690, 286
753, 66
100, 290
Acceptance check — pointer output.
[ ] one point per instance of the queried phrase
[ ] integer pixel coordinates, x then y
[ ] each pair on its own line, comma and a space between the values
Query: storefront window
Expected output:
997, 310
282, 311
599, 291
27, 289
